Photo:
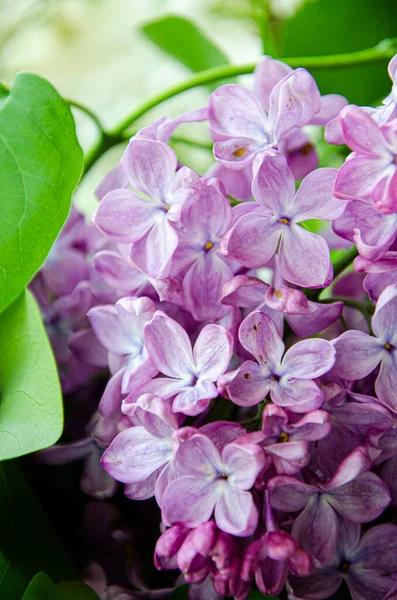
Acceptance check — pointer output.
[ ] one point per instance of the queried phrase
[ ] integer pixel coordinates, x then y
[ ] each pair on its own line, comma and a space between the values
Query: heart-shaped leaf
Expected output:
40, 165
42, 588
30, 397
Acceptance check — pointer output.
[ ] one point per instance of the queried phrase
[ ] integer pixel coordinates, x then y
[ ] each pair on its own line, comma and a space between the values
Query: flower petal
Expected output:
273, 184
253, 240
236, 513
189, 501
293, 102
316, 529
124, 217
357, 355
134, 454
308, 359
304, 258
259, 335
361, 500
109, 330
168, 346
362, 133
153, 252
150, 166
212, 351
315, 199
249, 386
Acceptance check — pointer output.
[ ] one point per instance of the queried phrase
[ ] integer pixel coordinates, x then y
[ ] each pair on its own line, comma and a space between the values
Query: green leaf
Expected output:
332, 26
183, 40
42, 588
31, 400
27, 542
75, 590
41, 162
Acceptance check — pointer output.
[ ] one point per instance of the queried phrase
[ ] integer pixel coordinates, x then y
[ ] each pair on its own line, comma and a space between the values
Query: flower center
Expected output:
278, 294
282, 438
284, 221
240, 152
208, 245
345, 566
275, 378
223, 476
388, 346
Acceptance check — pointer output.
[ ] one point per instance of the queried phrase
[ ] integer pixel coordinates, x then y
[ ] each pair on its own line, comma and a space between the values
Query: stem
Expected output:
193, 143
344, 261
361, 306
89, 113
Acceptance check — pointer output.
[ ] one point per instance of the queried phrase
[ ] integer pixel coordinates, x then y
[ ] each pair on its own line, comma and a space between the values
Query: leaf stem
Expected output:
88, 112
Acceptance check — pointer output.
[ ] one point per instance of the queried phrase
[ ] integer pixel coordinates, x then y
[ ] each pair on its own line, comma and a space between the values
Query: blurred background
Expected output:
103, 53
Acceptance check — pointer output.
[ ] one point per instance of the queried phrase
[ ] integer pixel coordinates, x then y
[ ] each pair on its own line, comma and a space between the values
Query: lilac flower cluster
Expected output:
186, 293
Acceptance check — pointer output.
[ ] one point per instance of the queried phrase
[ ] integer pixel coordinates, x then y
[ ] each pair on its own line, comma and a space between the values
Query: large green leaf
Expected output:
183, 40
31, 401
334, 26
27, 542
42, 588
40, 165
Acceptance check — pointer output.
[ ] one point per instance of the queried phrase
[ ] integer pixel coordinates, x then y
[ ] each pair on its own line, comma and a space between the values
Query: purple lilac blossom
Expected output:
289, 379
303, 257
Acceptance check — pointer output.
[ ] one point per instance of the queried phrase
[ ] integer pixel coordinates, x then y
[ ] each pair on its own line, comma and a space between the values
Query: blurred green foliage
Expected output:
322, 27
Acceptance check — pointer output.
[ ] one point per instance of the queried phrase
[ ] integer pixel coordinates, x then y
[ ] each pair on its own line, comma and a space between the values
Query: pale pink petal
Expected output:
134, 454
293, 102
358, 176
168, 346
213, 351
315, 199
331, 105
189, 501
244, 463
153, 252
304, 258
308, 359
273, 184
202, 287
362, 134
249, 386
123, 216
150, 166
267, 74
298, 396
253, 240
236, 513
109, 330
259, 335
357, 355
